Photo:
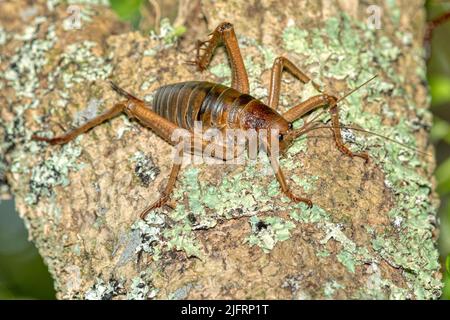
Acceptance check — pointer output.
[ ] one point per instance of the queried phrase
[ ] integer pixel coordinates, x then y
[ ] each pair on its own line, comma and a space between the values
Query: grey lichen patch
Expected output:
102, 290
294, 284
150, 234
144, 168
378, 288
167, 37
48, 173
181, 293
331, 287
158, 237
79, 64
52, 4
141, 287
3, 36
266, 232
29, 59
80, 14
87, 114
53, 172
131, 243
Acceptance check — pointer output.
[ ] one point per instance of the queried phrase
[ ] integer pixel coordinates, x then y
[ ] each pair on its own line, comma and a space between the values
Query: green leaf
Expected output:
440, 89
127, 9
440, 130
446, 290
443, 177
447, 264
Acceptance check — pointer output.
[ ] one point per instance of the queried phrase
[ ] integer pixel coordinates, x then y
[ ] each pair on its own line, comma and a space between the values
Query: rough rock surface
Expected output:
232, 234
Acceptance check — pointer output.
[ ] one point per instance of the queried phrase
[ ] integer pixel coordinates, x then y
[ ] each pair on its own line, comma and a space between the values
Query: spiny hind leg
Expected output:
336, 127
224, 33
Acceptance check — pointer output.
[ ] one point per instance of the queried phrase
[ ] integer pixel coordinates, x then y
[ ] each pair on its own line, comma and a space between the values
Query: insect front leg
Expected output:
324, 101
282, 180
280, 64
165, 195
224, 33
336, 127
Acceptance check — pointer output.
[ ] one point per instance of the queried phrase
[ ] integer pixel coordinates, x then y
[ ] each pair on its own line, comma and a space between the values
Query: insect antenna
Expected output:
345, 96
312, 128
122, 92
354, 90
313, 124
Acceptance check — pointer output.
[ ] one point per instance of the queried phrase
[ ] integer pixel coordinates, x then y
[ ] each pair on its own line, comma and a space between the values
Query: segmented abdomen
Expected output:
215, 105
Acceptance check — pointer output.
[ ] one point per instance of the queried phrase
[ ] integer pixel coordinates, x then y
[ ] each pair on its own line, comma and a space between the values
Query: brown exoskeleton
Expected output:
218, 106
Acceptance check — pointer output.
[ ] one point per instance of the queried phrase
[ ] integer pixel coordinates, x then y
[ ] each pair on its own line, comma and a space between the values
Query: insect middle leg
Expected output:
193, 147
224, 33
336, 127
282, 180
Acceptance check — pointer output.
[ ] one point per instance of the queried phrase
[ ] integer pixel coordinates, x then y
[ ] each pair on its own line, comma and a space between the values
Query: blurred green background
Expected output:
439, 82
23, 274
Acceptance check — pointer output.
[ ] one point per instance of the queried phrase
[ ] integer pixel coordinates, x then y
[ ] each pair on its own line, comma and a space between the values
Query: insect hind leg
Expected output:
224, 33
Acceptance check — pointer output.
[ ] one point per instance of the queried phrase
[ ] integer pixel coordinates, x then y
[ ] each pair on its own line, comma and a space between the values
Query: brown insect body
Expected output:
215, 106
218, 106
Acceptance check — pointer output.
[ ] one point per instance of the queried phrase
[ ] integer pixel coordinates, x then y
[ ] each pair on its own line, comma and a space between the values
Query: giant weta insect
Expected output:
218, 106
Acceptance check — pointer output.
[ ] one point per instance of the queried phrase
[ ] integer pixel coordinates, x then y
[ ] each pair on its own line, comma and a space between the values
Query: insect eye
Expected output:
291, 126
280, 137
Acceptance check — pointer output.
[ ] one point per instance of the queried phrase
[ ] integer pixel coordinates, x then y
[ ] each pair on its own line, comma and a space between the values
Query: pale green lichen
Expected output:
168, 32
266, 232
412, 249
141, 287
181, 237
331, 287
302, 213
394, 11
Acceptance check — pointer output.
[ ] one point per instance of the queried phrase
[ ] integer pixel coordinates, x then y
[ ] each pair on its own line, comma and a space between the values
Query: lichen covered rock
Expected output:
231, 234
